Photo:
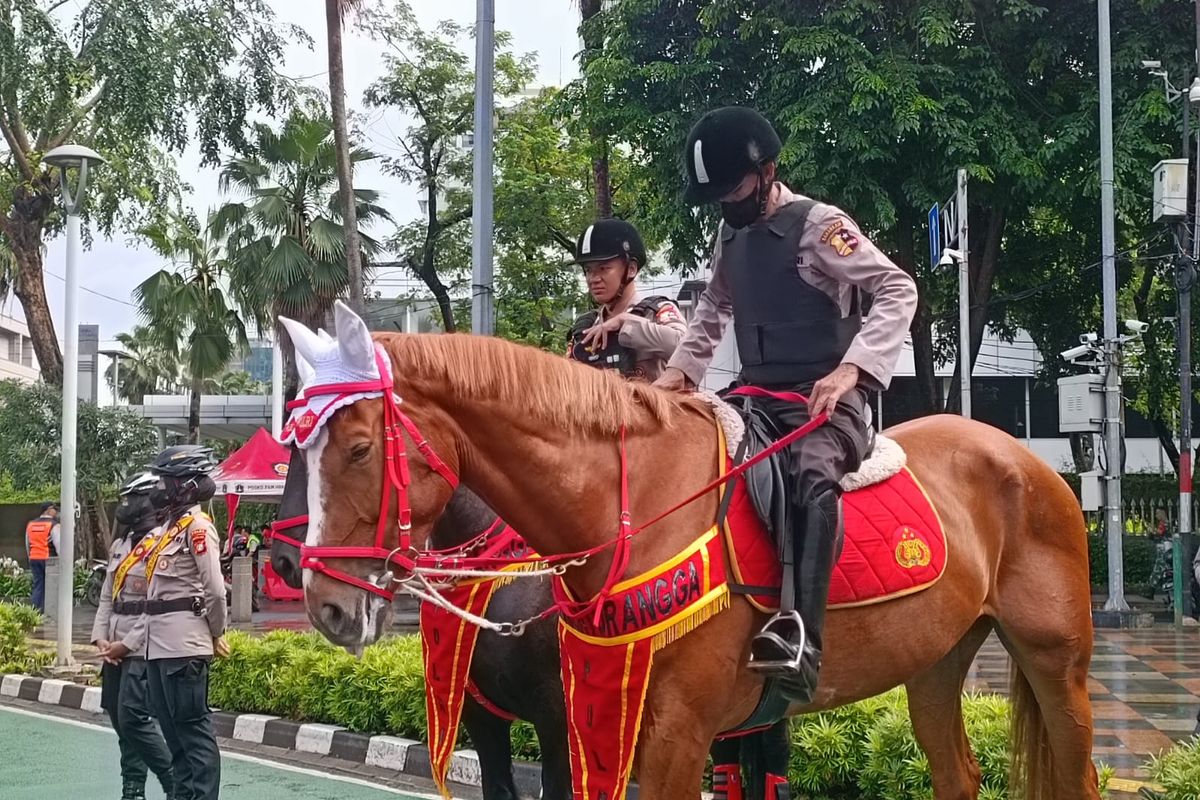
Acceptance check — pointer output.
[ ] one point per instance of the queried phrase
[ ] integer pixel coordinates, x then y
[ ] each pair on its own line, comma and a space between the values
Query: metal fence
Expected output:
1146, 516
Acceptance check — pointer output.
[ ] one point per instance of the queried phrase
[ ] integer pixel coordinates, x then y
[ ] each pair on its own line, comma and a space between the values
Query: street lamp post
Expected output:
65, 158
116, 356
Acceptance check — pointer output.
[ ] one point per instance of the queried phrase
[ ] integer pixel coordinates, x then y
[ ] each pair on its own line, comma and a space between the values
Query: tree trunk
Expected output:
24, 227
1166, 438
341, 138
593, 43
194, 411
922, 323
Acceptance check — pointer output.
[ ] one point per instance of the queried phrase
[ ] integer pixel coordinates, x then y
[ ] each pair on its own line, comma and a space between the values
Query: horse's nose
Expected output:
337, 623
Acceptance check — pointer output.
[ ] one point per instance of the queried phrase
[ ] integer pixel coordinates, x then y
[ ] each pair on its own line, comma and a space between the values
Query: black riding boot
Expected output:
133, 791
790, 644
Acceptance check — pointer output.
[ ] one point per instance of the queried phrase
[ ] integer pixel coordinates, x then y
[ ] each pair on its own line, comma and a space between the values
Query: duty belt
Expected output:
155, 607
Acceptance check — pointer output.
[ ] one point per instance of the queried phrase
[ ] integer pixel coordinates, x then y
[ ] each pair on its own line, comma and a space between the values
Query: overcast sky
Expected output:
113, 268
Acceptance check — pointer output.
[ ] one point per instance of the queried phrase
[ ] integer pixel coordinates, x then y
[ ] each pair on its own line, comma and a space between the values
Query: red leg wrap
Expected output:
727, 782
778, 788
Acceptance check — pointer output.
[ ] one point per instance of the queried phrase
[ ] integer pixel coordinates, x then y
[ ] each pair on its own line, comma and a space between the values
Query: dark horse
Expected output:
518, 675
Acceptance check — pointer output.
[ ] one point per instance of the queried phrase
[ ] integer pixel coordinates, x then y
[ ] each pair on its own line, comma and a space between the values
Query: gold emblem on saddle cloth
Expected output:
911, 550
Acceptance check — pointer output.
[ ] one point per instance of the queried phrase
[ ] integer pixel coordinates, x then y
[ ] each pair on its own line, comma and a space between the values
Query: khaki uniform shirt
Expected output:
189, 566
834, 257
115, 627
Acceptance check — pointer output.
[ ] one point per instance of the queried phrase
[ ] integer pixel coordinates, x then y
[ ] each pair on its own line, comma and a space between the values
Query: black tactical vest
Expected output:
615, 355
788, 332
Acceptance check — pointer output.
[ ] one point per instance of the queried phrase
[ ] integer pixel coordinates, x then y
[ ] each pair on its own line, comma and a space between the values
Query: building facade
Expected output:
17, 361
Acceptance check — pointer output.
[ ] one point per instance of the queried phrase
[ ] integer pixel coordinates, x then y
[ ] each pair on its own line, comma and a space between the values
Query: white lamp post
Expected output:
67, 157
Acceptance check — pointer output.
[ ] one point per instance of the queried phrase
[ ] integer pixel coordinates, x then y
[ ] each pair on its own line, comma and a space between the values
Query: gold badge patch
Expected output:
840, 237
912, 551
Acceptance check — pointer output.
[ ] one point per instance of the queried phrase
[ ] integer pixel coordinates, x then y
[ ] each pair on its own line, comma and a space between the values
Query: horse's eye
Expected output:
360, 452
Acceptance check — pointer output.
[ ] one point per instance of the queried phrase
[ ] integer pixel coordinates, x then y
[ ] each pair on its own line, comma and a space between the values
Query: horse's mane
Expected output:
549, 389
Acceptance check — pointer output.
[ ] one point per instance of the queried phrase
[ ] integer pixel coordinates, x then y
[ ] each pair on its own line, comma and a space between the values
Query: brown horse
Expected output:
536, 437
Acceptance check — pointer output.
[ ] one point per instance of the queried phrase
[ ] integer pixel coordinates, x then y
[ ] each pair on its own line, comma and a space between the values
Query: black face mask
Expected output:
741, 213
160, 498
137, 514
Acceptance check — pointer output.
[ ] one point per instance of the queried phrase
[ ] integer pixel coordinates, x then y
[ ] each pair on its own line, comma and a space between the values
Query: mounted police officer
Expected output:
634, 336
791, 272
125, 695
184, 617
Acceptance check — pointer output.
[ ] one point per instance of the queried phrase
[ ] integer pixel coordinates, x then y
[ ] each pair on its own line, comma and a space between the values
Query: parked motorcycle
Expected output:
95, 581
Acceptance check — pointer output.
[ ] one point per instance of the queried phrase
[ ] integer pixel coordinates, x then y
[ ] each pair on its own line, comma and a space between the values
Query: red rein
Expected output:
397, 477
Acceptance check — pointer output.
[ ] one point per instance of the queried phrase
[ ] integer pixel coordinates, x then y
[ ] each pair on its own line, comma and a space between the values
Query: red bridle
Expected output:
396, 477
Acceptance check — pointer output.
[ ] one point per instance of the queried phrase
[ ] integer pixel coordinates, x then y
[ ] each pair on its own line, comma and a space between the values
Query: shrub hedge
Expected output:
865, 751
16, 622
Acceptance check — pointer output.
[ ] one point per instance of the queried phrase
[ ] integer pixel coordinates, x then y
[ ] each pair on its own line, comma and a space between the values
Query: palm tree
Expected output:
145, 368
285, 239
190, 308
237, 383
335, 12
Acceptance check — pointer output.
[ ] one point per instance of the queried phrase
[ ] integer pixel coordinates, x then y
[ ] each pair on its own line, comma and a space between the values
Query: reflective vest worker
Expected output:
41, 544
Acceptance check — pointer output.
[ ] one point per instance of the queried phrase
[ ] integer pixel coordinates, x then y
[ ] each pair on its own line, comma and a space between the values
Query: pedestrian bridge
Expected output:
234, 417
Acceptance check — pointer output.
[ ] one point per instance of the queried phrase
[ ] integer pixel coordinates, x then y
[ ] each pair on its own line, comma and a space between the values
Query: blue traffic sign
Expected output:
935, 236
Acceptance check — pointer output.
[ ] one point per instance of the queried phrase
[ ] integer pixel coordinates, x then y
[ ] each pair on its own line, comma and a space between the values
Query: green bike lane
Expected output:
52, 758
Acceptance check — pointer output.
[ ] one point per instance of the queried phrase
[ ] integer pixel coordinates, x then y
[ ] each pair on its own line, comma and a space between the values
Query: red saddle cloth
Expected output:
894, 545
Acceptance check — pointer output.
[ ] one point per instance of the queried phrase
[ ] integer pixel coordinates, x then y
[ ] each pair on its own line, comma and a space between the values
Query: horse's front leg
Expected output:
490, 735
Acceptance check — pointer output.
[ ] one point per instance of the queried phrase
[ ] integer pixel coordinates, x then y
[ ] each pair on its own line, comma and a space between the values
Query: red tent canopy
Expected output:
257, 469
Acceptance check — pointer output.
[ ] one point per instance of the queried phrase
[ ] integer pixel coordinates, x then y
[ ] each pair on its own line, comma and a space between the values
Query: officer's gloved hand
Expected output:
221, 648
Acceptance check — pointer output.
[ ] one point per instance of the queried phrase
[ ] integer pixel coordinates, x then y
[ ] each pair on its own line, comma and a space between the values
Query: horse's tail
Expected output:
1031, 767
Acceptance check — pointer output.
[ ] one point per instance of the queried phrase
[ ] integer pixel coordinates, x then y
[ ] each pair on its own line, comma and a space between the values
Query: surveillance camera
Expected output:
1151, 65
1087, 338
1136, 326
950, 258
1078, 351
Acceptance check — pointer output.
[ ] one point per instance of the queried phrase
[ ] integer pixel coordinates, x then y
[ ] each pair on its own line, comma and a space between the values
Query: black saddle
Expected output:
766, 481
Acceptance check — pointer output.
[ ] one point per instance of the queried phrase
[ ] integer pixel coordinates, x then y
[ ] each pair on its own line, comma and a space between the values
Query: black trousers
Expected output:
179, 693
125, 696
815, 464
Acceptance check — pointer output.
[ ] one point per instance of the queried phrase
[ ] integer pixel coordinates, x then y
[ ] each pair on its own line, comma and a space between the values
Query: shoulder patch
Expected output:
199, 540
667, 313
840, 236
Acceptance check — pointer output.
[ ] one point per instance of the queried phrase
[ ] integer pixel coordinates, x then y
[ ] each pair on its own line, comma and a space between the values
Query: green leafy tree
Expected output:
284, 240
123, 77
237, 382
543, 202
112, 443
190, 308
429, 77
879, 103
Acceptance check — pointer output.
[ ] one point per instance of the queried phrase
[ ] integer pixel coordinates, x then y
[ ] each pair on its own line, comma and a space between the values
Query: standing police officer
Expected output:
631, 335
125, 695
184, 618
790, 270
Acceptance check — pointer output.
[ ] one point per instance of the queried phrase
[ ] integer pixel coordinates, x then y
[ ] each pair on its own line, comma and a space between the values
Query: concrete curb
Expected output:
404, 756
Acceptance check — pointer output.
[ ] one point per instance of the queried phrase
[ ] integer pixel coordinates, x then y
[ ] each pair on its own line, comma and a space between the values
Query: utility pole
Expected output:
964, 297
1112, 345
1185, 276
483, 315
